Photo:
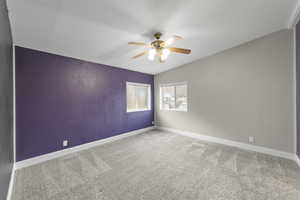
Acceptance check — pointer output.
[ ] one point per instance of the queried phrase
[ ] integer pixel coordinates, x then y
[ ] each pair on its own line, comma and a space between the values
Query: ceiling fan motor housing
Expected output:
157, 44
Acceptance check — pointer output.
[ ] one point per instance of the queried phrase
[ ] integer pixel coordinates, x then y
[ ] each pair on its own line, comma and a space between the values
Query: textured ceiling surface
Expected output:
99, 30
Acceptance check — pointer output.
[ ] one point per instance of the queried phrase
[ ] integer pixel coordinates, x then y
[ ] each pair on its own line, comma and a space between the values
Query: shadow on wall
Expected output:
6, 101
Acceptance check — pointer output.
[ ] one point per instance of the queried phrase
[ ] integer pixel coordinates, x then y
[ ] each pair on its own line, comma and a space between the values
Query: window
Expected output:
173, 97
138, 97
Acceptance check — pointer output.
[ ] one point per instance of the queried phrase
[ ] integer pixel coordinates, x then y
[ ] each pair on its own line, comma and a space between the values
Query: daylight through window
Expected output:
138, 97
173, 97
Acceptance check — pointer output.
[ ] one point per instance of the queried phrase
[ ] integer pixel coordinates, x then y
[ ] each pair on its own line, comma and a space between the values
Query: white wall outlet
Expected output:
152, 122
65, 143
251, 139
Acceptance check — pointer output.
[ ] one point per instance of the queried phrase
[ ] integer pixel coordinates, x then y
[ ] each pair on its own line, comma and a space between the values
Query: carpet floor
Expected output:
159, 165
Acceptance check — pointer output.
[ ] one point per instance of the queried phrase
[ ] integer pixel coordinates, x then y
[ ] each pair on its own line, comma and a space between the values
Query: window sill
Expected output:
173, 110
131, 111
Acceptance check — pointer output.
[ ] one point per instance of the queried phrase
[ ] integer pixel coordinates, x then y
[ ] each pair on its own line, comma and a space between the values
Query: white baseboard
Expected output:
50, 156
240, 145
11, 183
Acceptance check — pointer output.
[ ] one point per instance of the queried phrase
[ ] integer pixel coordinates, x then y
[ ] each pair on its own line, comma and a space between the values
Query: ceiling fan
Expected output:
160, 48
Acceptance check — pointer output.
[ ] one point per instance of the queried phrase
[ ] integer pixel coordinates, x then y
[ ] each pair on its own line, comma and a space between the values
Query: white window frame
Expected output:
169, 85
149, 96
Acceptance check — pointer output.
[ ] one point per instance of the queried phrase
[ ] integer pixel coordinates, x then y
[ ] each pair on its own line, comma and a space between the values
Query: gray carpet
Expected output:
160, 165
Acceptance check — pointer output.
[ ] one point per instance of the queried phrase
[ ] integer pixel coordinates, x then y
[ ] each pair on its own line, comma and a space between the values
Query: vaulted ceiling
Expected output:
99, 30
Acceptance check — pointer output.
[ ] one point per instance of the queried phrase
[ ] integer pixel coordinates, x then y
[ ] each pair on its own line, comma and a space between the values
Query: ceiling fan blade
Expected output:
180, 50
172, 40
140, 54
138, 43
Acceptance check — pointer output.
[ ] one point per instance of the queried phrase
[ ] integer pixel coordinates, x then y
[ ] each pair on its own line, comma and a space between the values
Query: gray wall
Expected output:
6, 102
241, 92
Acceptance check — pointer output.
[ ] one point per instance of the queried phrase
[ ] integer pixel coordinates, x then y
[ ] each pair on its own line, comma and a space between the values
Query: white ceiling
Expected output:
99, 30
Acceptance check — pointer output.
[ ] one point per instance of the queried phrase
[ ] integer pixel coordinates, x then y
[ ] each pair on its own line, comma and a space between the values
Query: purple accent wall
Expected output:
298, 85
60, 98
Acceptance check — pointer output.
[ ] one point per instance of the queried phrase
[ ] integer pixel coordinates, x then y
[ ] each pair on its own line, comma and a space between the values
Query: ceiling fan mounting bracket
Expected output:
157, 35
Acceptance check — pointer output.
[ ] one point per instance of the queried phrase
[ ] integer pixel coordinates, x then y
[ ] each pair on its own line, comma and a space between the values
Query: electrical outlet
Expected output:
152, 122
65, 143
251, 139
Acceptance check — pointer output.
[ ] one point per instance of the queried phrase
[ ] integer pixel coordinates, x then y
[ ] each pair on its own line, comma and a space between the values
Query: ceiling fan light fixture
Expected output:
163, 57
165, 54
152, 54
